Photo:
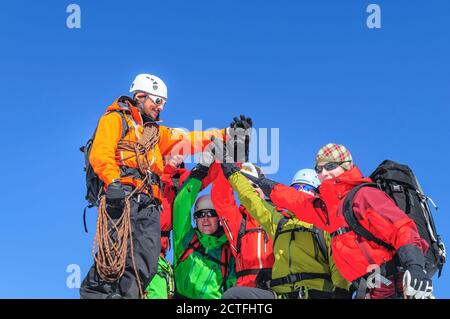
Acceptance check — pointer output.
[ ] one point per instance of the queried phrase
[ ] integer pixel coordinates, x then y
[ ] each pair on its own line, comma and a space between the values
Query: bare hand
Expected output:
175, 160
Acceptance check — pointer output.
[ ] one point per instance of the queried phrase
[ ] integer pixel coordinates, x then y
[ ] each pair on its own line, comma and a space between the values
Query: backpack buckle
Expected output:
302, 293
396, 188
340, 231
442, 249
432, 202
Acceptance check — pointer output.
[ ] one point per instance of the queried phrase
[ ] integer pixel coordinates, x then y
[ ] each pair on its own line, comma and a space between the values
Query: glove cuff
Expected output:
411, 255
229, 169
267, 186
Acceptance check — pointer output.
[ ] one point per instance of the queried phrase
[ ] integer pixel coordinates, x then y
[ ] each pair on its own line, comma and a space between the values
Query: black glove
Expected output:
340, 293
263, 278
239, 133
229, 169
199, 172
115, 197
242, 122
236, 149
416, 282
264, 183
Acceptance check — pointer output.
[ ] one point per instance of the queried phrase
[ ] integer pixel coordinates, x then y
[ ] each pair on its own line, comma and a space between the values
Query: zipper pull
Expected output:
432, 202
265, 243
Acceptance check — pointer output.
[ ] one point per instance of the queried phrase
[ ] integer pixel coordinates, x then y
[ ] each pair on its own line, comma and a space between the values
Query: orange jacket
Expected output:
106, 160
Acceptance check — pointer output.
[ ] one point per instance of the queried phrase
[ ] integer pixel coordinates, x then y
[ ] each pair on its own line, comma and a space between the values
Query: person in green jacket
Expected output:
303, 265
203, 264
162, 285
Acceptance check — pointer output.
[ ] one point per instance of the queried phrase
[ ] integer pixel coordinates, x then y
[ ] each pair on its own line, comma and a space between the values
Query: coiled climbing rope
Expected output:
111, 242
150, 137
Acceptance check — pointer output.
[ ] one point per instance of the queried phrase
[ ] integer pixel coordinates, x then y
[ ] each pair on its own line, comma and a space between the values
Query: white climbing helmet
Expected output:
203, 202
306, 176
150, 84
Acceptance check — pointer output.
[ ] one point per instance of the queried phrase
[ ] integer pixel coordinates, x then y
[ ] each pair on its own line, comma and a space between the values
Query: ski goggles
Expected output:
205, 213
328, 166
156, 99
305, 188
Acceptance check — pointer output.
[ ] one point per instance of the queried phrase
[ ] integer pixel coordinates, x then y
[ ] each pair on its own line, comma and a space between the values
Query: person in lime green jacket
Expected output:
304, 267
203, 264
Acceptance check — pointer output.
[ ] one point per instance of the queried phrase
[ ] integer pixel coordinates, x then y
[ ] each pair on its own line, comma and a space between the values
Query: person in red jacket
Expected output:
173, 176
250, 244
358, 259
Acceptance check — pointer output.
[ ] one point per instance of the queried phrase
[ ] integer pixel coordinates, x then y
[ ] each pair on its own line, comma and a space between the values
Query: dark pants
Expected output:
145, 227
248, 293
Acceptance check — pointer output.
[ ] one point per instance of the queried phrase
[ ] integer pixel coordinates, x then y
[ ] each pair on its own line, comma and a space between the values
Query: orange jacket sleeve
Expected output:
102, 157
225, 204
178, 142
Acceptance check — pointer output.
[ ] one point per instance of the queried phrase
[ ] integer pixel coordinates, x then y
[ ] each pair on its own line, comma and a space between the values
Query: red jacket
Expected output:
256, 247
374, 209
168, 197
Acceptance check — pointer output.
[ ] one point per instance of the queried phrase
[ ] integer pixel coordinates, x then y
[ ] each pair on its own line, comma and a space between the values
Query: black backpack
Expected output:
94, 185
399, 182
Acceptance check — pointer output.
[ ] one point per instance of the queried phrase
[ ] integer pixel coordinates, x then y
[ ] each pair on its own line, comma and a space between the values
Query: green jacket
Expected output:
203, 264
162, 285
297, 249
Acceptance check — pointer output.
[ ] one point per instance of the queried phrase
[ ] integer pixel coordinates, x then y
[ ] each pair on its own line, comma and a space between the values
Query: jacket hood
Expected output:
334, 190
344, 182
125, 103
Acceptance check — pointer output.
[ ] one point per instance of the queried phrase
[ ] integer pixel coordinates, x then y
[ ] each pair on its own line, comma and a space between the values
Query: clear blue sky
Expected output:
310, 68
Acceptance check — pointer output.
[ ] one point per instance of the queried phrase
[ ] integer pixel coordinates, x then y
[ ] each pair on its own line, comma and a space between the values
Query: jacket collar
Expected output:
338, 187
211, 241
126, 104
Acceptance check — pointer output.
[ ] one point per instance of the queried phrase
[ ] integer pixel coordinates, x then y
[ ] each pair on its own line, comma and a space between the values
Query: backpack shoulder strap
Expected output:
125, 127
319, 236
195, 245
241, 232
190, 248
353, 222
225, 257
280, 226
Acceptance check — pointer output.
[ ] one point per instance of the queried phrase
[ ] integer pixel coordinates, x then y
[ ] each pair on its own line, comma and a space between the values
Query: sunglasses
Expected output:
305, 188
328, 166
157, 100
205, 213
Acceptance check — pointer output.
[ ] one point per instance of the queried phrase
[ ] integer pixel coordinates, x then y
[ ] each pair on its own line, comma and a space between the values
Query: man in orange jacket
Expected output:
127, 155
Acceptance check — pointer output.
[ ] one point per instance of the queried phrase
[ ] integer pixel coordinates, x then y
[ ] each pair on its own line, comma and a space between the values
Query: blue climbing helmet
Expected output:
305, 177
